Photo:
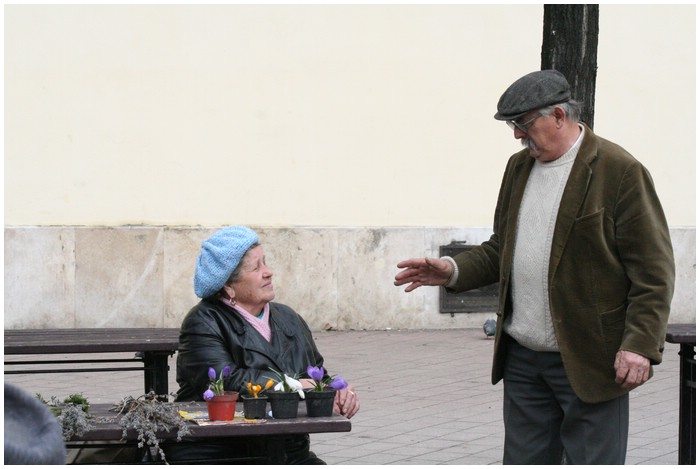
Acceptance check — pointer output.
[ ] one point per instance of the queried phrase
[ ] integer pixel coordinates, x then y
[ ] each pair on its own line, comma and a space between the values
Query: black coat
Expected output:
214, 335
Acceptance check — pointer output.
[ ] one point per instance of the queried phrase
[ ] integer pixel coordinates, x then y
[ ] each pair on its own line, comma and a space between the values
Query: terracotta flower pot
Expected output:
284, 405
222, 407
319, 403
254, 407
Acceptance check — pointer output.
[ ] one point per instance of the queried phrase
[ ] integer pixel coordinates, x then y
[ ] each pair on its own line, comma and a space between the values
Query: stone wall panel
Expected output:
39, 278
336, 278
119, 277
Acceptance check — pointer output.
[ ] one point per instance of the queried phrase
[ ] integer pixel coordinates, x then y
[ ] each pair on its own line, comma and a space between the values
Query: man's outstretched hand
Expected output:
425, 271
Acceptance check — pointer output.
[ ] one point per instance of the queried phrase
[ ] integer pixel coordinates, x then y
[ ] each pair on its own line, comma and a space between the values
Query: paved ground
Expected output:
426, 399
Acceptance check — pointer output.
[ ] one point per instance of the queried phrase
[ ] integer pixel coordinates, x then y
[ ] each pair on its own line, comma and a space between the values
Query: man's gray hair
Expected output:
572, 109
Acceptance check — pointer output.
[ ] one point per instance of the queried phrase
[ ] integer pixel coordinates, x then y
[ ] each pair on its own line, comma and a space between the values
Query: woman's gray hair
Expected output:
572, 109
237, 271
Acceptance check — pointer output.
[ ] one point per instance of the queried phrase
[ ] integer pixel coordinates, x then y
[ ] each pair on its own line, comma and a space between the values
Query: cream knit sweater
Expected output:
531, 321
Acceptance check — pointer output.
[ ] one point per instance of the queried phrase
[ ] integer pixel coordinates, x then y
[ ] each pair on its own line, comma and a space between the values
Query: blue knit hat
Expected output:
220, 256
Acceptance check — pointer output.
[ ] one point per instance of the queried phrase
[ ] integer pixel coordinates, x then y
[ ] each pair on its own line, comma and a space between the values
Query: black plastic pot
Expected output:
254, 407
284, 405
319, 403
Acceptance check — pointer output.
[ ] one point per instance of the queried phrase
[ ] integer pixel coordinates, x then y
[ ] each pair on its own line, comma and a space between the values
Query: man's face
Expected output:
539, 135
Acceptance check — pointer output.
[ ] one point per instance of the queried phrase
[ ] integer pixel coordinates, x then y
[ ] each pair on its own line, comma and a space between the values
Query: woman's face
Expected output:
253, 288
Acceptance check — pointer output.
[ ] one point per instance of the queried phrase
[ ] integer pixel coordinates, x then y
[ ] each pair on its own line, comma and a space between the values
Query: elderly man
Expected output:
583, 257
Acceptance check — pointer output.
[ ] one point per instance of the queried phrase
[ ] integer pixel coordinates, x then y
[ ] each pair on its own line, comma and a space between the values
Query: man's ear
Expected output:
559, 114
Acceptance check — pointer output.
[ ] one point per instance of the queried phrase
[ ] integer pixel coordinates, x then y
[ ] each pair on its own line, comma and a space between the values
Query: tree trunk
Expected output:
570, 45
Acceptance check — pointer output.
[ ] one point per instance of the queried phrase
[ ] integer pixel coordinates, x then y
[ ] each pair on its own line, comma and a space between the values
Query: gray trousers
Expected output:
546, 423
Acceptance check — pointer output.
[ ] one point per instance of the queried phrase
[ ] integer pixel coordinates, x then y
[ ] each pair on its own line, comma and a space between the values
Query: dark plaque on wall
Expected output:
478, 300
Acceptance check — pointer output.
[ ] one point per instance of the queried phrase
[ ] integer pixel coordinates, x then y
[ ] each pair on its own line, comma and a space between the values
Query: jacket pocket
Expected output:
588, 218
613, 327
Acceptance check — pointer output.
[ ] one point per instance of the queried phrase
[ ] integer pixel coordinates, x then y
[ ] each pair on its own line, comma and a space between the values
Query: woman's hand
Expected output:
346, 402
307, 383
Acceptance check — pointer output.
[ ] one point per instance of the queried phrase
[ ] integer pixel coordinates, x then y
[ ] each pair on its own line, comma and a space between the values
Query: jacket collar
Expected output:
254, 341
573, 196
572, 199
277, 322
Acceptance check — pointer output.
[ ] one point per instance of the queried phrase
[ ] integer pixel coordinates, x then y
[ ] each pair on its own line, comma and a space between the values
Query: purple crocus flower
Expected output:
212, 374
226, 371
208, 394
316, 373
339, 383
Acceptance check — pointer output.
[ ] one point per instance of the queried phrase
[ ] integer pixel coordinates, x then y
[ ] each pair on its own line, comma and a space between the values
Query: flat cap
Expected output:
533, 91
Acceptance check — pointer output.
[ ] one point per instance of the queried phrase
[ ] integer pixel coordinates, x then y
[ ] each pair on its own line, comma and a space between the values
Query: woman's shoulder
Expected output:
286, 317
204, 307
281, 308
205, 313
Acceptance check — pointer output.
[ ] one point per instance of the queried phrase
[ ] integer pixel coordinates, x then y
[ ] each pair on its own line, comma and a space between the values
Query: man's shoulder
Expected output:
517, 160
606, 152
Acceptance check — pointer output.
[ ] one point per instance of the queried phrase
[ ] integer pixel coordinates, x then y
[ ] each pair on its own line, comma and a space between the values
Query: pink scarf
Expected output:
262, 324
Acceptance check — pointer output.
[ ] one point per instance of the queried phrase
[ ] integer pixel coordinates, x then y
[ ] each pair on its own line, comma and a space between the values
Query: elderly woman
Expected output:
238, 325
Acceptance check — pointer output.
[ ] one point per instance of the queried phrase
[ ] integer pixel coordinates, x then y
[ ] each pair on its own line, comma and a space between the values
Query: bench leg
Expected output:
686, 430
156, 373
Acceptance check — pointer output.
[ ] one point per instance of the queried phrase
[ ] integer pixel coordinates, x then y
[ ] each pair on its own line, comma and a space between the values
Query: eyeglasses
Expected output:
525, 126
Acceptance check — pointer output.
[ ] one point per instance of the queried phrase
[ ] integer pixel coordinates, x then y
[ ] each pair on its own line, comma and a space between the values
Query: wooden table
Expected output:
152, 347
108, 432
684, 334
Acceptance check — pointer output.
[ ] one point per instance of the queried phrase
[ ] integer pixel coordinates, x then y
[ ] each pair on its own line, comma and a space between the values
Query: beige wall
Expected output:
351, 137
321, 115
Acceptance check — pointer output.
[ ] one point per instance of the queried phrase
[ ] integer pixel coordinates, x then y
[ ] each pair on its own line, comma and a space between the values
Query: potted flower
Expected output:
221, 404
254, 403
319, 399
284, 397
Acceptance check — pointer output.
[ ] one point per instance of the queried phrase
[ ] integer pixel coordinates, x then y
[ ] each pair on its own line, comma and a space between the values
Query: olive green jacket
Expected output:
611, 267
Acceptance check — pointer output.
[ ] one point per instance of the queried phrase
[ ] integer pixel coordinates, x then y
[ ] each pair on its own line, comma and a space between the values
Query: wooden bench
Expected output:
151, 347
